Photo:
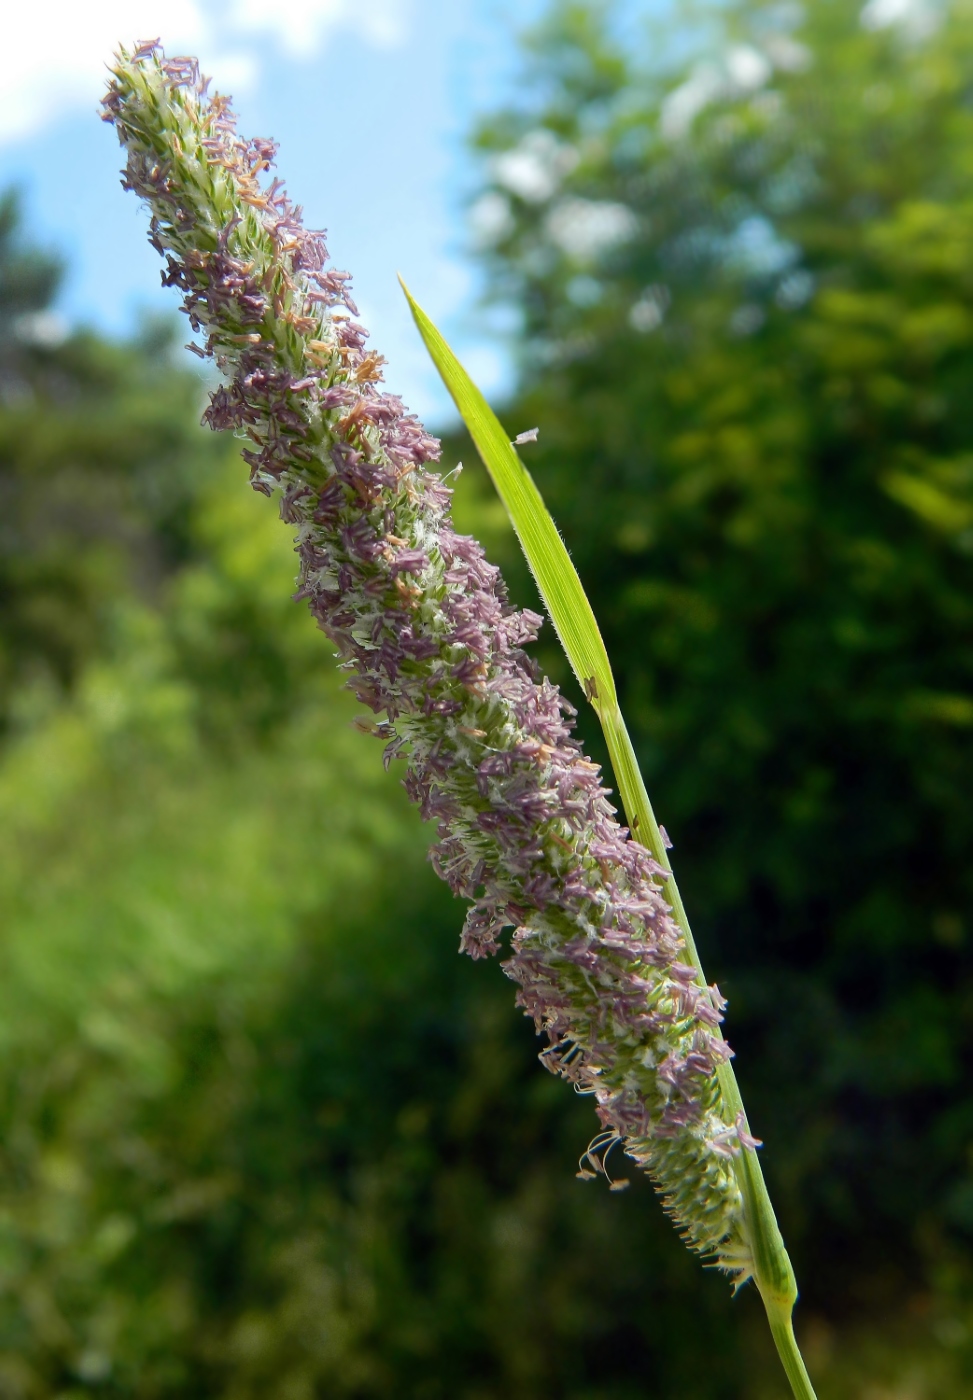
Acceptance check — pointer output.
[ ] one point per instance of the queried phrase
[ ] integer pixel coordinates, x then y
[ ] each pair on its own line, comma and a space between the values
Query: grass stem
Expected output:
773, 1273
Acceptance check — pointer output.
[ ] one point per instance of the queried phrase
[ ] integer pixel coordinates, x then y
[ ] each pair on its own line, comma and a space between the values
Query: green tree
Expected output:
100, 457
29, 280
261, 1130
747, 337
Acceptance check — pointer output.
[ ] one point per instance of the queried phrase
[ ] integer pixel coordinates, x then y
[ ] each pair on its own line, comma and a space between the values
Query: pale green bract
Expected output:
577, 629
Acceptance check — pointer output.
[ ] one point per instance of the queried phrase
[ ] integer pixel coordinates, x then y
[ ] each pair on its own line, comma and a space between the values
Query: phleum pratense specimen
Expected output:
422, 625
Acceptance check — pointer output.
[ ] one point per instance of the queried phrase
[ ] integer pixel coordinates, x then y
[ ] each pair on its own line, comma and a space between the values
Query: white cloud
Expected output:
300, 25
56, 51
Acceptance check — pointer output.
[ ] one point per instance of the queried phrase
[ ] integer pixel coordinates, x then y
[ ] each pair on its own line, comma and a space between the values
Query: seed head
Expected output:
423, 626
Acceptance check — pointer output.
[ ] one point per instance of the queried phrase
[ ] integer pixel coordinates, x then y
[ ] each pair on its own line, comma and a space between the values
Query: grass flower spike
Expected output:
432, 647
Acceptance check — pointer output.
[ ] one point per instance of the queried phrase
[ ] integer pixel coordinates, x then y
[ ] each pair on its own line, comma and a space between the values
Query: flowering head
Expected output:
431, 645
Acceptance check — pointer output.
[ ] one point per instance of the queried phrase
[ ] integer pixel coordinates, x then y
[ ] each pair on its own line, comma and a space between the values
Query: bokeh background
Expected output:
262, 1132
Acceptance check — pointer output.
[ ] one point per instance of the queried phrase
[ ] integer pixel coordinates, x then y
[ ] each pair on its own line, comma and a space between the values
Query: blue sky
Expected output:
370, 100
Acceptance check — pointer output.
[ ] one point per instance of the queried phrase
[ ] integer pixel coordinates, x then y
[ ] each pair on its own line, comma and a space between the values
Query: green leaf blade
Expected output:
546, 553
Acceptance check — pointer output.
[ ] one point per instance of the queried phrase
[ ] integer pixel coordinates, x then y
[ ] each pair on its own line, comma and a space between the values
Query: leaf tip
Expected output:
408, 295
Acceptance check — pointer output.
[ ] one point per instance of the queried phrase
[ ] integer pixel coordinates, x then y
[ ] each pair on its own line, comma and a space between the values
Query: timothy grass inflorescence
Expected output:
433, 648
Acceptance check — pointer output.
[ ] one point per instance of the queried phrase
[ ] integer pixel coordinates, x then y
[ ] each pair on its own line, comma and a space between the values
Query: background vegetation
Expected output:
263, 1133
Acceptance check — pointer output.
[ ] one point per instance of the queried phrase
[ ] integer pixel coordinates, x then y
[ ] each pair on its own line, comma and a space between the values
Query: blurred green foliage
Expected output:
746, 320
262, 1133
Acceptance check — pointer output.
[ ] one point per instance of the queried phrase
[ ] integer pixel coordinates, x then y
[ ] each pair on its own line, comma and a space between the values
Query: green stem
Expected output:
772, 1269
782, 1331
